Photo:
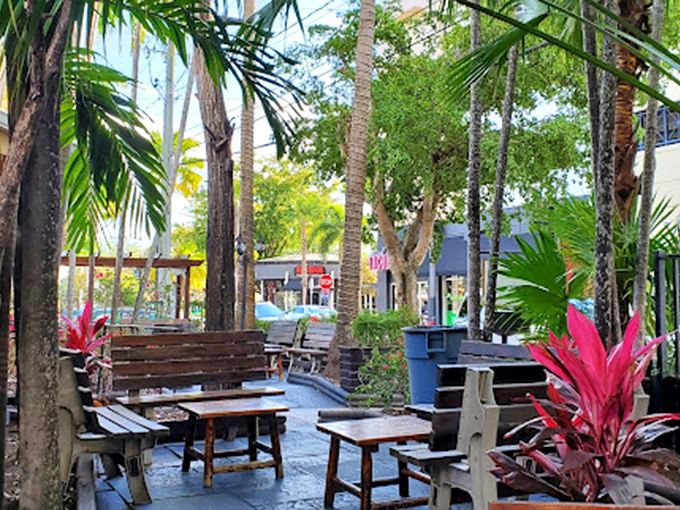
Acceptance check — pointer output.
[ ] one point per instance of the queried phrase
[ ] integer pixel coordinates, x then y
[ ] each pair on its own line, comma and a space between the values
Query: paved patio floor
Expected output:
305, 454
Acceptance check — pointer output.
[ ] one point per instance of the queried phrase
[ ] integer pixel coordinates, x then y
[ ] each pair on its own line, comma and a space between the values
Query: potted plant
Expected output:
591, 446
87, 337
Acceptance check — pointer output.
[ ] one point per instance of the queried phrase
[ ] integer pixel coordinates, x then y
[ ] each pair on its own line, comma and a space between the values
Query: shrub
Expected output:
383, 329
385, 374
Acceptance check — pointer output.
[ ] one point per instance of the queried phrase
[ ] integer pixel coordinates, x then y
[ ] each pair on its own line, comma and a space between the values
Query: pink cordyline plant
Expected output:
85, 336
590, 442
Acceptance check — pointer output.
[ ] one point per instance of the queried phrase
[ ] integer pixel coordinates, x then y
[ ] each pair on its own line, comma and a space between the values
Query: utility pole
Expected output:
165, 276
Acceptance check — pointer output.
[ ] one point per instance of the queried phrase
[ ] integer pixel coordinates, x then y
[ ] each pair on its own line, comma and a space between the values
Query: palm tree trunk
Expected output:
592, 83
474, 271
626, 183
501, 171
120, 247
647, 182
303, 273
604, 195
350, 271
219, 291
246, 220
71, 284
153, 249
38, 327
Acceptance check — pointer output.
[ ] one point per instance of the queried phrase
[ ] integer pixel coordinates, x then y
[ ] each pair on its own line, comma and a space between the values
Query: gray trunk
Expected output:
71, 284
604, 195
593, 83
38, 327
647, 182
350, 272
501, 171
474, 276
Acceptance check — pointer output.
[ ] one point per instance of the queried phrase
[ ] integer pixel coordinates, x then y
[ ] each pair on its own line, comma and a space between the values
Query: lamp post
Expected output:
242, 251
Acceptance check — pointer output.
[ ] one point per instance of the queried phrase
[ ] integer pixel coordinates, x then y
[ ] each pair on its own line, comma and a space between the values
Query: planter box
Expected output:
537, 505
351, 358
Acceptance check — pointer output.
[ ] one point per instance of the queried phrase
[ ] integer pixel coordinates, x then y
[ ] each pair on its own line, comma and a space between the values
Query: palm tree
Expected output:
350, 271
474, 269
246, 220
328, 231
617, 31
35, 46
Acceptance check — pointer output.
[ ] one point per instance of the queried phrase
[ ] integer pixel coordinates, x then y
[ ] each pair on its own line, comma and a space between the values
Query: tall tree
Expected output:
474, 270
501, 172
246, 221
647, 181
350, 271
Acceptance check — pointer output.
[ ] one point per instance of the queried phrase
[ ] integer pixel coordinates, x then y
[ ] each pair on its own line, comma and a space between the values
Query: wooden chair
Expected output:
281, 337
314, 350
113, 431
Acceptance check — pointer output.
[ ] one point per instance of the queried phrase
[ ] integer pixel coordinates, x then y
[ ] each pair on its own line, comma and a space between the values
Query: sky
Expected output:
116, 50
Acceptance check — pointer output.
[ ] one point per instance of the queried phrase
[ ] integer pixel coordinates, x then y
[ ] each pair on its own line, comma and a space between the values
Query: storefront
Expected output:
279, 280
448, 275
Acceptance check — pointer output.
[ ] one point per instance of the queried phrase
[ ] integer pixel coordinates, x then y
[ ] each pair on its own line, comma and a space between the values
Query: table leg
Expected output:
366, 476
189, 443
251, 422
403, 478
276, 445
332, 473
279, 360
209, 454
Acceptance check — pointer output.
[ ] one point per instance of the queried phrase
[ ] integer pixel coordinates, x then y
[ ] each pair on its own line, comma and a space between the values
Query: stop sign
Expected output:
326, 282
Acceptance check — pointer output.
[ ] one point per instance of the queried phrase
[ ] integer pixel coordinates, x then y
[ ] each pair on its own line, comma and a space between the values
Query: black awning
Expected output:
294, 284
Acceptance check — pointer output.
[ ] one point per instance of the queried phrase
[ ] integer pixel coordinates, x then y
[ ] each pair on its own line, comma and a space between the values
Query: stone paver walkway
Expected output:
305, 455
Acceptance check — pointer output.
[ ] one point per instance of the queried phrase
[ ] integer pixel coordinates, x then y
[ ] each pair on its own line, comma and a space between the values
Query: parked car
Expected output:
315, 311
267, 311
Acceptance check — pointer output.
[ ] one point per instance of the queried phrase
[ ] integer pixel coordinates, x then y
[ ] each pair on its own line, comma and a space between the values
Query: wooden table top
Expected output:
375, 431
233, 407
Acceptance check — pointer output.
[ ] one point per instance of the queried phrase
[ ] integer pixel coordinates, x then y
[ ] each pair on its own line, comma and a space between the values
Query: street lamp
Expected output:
242, 251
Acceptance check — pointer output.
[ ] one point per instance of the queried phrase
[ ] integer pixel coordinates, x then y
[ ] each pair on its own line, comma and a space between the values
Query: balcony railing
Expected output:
667, 128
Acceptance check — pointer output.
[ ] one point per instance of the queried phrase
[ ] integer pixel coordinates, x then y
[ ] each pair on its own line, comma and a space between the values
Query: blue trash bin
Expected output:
425, 348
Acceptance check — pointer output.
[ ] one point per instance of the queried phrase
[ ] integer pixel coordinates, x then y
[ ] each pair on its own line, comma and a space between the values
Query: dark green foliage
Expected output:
382, 329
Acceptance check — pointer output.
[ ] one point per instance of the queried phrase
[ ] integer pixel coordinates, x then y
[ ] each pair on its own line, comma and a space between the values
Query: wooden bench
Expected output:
181, 360
314, 349
114, 431
479, 422
281, 337
479, 353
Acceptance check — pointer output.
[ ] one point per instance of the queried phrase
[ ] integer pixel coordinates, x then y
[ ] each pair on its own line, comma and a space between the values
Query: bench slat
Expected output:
223, 364
504, 372
446, 397
212, 337
140, 420
183, 352
187, 380
131, 427
495, 350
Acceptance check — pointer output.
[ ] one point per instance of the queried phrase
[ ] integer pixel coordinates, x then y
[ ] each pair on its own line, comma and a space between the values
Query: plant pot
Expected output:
425, 348
351, 358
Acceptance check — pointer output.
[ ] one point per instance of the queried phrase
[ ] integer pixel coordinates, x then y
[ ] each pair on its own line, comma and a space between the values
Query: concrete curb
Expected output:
320, 384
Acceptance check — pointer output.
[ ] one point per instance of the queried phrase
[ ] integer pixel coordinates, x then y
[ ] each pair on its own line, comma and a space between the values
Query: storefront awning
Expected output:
294, 284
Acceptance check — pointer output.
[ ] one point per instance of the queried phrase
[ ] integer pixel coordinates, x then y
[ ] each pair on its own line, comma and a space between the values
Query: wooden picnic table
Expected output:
368, 435
251, 409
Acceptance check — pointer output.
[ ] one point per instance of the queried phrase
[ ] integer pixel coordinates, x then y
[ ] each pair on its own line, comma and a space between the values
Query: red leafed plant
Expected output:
589, 443
85, 336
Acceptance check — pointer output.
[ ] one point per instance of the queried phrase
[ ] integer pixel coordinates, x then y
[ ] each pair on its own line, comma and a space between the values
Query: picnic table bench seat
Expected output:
314, 349
113, 431
177, 361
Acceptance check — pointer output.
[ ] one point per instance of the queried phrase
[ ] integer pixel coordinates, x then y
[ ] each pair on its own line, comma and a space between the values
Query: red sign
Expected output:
310, 270
326, 282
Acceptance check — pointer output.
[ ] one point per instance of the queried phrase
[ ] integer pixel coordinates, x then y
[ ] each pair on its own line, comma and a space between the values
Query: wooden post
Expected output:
187, 289
178, 296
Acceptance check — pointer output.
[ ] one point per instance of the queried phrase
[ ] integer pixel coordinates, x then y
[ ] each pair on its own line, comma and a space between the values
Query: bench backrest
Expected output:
178, 360
318, 335
472, 352
75, 395
283, 333
509, 382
